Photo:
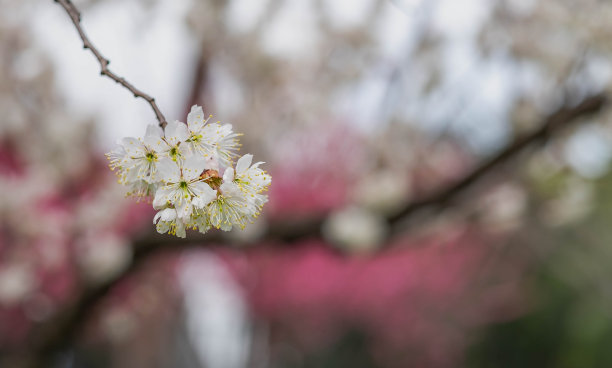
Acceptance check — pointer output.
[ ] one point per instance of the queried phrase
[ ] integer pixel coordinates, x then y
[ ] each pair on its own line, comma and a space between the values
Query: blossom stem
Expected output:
75, 16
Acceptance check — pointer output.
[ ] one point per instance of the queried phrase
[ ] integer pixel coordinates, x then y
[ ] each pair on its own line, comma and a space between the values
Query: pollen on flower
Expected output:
178, 170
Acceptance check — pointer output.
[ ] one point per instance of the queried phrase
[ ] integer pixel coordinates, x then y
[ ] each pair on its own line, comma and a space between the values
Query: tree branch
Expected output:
560, 119
60, 332
75, 16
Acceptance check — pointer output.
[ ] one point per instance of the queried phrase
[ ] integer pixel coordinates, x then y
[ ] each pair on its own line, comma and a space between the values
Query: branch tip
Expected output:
75, 16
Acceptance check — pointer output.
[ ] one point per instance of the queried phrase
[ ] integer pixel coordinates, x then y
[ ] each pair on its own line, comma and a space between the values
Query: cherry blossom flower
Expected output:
230, 208
212, 139
172, 142
135, 162
167, 221
250, 179
179, 167
182, 185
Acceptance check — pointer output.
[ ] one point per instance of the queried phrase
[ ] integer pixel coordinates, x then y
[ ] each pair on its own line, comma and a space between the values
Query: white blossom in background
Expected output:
16, 282
102, 255
217, 315
355, 230
180, 169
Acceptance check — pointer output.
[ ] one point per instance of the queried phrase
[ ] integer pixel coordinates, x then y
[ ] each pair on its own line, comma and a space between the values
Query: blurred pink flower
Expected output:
419, 294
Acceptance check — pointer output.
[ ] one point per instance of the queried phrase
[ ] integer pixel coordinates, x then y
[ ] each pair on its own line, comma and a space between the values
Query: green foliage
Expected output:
570, 324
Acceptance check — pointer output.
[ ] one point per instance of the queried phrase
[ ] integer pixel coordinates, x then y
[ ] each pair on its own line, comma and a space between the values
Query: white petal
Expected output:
131, 175
212, 161
176, 132
182, 133
226, 129
203, 227
204, 194
180, 229
171, 128
154, 130
169, 214
211, 133
193, 167
225, 227
243, 163
156, 143
162, 196
162, 227
129, 141
195, 118
184, 150
230, 189
132, 146
184, 209
228, 175
168, 170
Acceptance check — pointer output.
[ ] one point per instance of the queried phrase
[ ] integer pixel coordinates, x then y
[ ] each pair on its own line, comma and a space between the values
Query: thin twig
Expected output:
75, 16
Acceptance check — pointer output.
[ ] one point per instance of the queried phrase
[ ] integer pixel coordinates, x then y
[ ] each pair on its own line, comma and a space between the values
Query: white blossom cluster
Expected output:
181, 167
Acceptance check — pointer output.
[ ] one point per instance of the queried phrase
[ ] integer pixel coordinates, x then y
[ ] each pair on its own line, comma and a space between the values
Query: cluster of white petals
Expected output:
187, 169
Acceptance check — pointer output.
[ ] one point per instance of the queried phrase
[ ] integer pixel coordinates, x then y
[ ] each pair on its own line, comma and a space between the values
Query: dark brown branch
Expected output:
559, 120
60, 332
75, 16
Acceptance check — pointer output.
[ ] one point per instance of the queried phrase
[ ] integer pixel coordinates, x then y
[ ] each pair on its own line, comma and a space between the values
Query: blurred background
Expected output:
358, 108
